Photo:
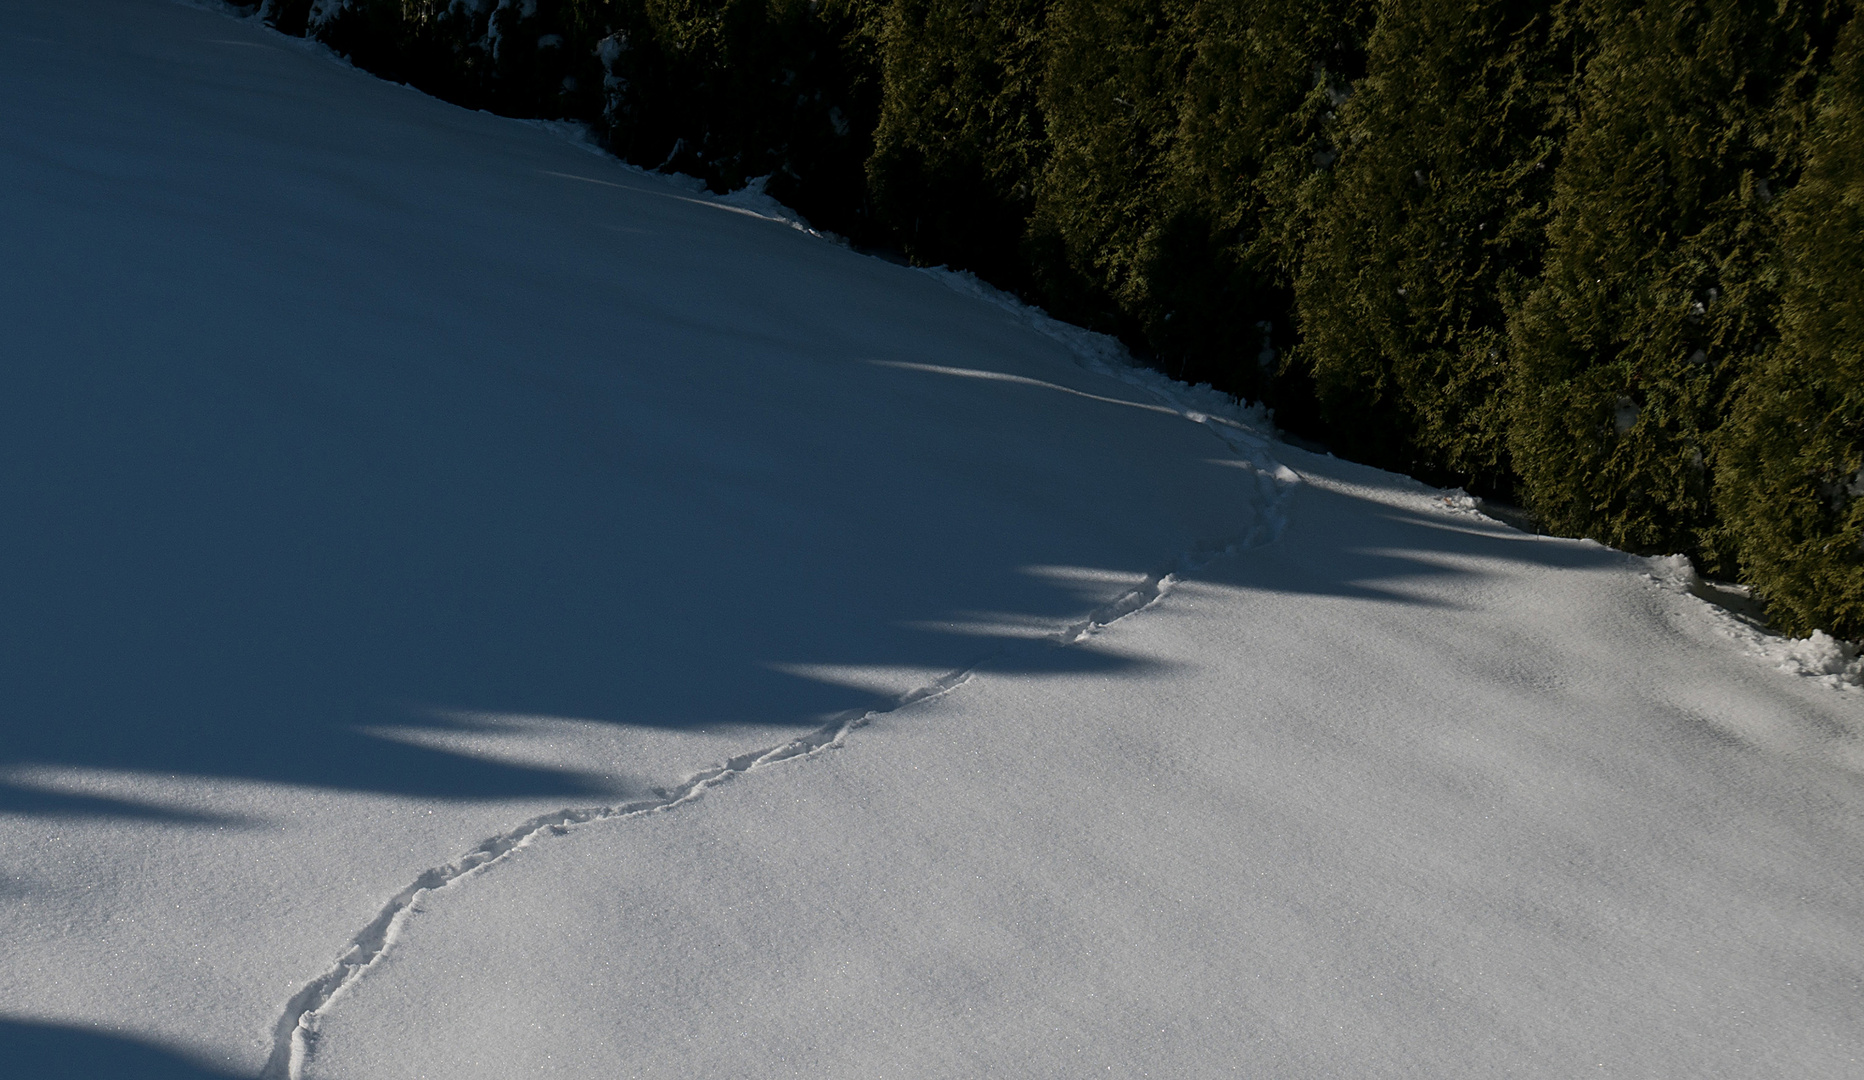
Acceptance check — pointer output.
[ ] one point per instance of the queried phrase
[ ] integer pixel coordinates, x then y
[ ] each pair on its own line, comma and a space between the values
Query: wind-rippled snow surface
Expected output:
473, 609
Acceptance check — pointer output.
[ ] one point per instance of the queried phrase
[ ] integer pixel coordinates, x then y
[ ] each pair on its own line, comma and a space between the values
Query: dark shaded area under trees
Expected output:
1602, 257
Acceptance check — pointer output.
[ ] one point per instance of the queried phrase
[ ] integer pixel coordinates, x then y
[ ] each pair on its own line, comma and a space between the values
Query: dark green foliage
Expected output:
1790, 471
1659, 284
1184, 137
729, 90
1434, 228
1111, 101
960, 139
1258, 134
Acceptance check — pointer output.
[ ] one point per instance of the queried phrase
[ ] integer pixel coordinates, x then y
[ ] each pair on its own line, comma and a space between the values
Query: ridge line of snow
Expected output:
1245, 429
1241, 426
295, 1031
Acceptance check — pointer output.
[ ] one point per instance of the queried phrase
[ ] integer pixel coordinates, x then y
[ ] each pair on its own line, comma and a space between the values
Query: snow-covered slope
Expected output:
1402, 794
473, 609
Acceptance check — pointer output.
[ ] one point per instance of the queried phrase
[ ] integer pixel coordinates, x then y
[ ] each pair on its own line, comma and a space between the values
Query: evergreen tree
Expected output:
1434, 227
960, 137
1790, 470
1658, 286
1259, 130
1111, 99
1187, 139
730, 90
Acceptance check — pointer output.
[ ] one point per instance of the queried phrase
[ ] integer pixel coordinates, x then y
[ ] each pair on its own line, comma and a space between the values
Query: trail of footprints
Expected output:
295, 1032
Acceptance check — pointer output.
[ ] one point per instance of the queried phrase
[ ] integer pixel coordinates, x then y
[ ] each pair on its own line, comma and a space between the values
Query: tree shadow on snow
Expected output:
1355, 545
252, 582
303, 465
61, 1052
214, 580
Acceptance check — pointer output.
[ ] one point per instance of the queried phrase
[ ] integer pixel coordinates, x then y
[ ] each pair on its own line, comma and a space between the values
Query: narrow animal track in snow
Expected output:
294, 1034
295, 1031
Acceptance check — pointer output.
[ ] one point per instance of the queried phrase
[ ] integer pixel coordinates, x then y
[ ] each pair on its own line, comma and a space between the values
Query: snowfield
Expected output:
474, 609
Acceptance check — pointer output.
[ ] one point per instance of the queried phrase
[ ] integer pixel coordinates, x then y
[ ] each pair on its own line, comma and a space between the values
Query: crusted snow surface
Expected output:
476, 609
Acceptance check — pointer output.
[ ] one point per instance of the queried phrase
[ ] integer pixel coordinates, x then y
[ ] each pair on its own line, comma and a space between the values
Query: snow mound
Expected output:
1820, 657
753, 198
